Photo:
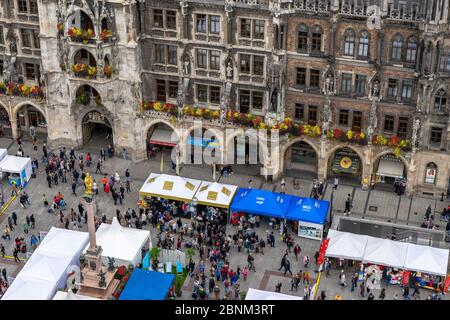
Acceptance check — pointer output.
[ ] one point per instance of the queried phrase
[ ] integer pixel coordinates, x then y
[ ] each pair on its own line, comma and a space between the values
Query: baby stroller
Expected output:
62, 204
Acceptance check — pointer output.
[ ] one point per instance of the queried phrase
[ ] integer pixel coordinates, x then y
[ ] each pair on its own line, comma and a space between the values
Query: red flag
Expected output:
405, 278
446, 284
322, 251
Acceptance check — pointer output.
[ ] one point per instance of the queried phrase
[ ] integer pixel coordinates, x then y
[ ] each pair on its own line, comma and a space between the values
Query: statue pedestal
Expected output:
90, 284
272, 118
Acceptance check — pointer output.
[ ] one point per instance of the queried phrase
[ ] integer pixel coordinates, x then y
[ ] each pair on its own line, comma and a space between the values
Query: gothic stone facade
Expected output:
379, 66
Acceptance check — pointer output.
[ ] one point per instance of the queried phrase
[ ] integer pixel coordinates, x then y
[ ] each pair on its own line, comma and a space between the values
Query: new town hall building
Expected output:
358, 88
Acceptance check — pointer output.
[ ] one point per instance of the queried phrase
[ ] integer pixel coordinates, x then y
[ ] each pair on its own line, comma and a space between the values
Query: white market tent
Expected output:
426, 259
29, 289
255, 294
385, 252
170, 187
18, 165
45, 271
346, 245
121, 243
215, 194
69, 295
3, 153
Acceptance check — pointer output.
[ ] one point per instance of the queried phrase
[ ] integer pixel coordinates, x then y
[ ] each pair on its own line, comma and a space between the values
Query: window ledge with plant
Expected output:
21, 90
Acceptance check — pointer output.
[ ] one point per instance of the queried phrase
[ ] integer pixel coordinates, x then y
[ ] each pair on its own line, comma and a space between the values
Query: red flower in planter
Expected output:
121, 271
337, 133
394, 141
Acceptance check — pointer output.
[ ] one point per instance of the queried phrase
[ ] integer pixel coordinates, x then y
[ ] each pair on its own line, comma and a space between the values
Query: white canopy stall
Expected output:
19, 166
426, 259
170, 187
346, 245
121, 243
255, 294
45, 271
69, 295
216, 194
385, 252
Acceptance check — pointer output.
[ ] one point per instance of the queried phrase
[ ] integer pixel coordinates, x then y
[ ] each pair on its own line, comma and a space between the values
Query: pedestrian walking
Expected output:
382, 294
287, 267
4, 274
99, 167
16, 255
127, 186
348, 205
297, 251
2, 250
336, 182
14, 217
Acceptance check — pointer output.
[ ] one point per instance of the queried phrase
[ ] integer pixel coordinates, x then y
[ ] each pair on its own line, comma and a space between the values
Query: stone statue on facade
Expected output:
11, 39
329, 84
228, 9
229, 70
100, 59
415, 133
186, 65
376, 88
111, 262
274, 100
115, 57
223, 116
8, 69
372, 121
326, 113
184, 5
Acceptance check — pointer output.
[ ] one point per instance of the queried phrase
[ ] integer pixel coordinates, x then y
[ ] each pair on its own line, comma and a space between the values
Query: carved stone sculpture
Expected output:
415, 133
229, 70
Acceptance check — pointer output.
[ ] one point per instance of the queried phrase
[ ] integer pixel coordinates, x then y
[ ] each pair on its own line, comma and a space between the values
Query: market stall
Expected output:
45, 271
311, 215
214, 199
18, 168
121, 243
255, 294
261, 202
429, 264
385, 252
169, 187
147, 285
346, 245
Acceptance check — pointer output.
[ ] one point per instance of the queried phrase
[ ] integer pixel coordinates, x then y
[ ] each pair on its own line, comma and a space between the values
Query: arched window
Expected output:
349, 43
363, 50
316, 38
302, 37
397, 46
440, 100
411, 51
430, 173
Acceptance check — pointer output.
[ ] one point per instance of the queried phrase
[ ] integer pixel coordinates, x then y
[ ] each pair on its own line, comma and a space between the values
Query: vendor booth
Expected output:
147, 285
121, 243
261, 202
19, 169
429, 263
46, 270
215, 194
311, 216
346, 245
170, 187
390, 167
385, 252
255, 294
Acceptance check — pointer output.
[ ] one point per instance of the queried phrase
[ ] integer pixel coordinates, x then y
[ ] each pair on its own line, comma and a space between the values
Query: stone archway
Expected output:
388, 168
300, 156
345, 162
202, 144
97, 128
5, 121
160, 138
31, 119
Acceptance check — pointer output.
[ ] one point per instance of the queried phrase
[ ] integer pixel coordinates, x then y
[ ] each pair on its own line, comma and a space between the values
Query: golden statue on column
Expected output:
88, 181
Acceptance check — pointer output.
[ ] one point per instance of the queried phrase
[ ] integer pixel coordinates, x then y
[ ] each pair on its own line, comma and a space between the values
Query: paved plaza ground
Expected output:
390, 207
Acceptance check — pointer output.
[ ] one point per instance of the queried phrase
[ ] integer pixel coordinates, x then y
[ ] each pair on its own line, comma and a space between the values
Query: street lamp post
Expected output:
194, 207
1, 187
331, 207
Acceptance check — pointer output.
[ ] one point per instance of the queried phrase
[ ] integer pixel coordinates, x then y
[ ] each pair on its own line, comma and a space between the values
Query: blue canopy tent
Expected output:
147, 285
261, 202
311, 215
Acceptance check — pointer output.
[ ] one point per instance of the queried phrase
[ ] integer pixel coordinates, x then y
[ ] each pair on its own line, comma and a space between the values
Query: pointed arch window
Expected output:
397, 46
411, 50
349, 43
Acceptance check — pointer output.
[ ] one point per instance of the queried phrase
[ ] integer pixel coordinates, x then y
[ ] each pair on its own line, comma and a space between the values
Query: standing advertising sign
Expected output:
405, 279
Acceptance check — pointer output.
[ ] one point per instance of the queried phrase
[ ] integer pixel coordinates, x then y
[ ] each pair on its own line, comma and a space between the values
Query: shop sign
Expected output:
430, 175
